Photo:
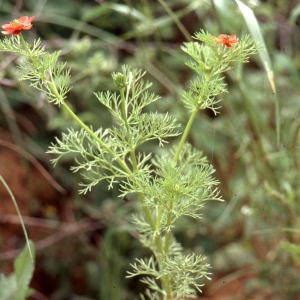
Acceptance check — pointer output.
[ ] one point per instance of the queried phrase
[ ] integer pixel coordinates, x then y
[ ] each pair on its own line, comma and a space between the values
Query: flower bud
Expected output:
119, 80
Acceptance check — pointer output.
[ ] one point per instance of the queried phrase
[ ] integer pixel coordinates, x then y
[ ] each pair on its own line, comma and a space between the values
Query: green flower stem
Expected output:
169, 216
181, 143
184, 138
194, 113
185, 134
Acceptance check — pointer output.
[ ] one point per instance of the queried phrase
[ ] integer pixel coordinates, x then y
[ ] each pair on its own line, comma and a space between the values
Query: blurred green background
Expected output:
85, 243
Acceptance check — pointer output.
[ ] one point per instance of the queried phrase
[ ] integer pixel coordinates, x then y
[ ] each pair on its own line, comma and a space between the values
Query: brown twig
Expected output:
39, 167
65, 230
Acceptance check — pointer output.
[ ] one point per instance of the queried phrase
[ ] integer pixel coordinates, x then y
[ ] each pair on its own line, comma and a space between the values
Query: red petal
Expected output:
6, 26
31, 19
23, 19
6, 32
27, 27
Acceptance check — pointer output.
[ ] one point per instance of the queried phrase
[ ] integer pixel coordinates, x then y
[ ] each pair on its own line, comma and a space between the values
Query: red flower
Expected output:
225, 39
16, 26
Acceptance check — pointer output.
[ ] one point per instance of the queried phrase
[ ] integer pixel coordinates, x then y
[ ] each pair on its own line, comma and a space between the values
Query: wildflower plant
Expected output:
168, 187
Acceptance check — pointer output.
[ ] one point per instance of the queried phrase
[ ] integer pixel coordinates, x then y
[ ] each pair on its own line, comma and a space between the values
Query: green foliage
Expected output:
41, 68
132, 132
168, 187
185, 271
15, 286
179, 190
209, 61
14, 44
259, 172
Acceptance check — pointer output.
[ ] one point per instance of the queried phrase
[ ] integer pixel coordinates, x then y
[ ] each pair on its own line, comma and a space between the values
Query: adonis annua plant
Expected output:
168, 187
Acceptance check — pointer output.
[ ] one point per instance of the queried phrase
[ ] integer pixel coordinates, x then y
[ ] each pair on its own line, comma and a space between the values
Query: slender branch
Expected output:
95, 137
185, 134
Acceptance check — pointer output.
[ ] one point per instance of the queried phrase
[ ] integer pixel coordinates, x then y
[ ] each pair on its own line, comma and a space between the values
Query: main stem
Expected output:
134, 161
158, 241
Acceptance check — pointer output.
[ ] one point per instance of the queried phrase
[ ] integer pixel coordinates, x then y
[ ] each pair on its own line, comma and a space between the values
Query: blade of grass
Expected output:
294, 14
256, 34
160, 22
82, 27
176, 20
19, 214
264, 56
